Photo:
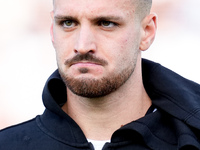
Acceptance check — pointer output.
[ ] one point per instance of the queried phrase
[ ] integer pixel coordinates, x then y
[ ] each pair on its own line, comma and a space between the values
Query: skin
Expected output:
111, 32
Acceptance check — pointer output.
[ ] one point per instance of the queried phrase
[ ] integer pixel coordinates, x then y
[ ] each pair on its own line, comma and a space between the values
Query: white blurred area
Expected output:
27, 57
177, 43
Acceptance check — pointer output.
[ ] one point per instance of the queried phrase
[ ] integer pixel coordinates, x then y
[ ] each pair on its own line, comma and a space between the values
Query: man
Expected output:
104, 96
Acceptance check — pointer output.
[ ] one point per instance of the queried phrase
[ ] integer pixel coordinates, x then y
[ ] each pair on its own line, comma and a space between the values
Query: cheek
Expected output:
130, 43
59, 53
117, 54
125, 41
117, 48
63, 48
128, 47
125, 46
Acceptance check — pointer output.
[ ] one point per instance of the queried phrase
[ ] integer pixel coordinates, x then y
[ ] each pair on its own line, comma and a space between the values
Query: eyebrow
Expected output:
94, 19
60, 17
113, 18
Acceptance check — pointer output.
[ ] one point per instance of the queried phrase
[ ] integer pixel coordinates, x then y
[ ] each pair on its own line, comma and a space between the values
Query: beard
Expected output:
95, 88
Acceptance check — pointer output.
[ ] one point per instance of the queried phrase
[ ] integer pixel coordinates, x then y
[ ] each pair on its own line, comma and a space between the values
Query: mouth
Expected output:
85, 64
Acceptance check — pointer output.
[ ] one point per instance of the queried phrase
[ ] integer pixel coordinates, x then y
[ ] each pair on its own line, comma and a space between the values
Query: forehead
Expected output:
94, 7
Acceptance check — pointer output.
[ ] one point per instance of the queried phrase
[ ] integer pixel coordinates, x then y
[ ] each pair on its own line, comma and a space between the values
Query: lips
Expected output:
84, 67
85, 64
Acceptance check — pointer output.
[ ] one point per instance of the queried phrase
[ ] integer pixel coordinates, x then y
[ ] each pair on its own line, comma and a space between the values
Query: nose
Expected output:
85, 40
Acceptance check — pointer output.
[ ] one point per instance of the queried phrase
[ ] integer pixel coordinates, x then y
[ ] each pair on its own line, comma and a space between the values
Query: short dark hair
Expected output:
142, 7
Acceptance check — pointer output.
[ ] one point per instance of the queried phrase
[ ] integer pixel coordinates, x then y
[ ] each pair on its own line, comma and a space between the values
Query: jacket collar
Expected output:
172, 93
169, 92
180, 97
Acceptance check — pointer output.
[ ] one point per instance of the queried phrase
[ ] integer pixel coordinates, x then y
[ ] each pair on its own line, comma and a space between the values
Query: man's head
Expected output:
98, 42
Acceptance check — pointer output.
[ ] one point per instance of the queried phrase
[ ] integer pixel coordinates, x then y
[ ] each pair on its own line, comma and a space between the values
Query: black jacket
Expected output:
175, 124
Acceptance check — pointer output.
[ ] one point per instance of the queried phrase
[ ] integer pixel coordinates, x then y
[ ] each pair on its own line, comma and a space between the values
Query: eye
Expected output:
69, 24
107, 24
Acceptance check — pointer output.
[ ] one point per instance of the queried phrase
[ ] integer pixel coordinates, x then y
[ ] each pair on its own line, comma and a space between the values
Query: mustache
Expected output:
85, 57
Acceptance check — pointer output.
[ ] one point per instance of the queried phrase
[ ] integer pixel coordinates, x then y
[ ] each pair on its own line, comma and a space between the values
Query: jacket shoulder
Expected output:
18, 135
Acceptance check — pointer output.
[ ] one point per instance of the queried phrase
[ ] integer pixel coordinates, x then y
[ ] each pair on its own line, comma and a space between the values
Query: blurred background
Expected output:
27, 57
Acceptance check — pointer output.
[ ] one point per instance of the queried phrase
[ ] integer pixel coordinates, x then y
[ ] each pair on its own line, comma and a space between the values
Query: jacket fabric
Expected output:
174, 126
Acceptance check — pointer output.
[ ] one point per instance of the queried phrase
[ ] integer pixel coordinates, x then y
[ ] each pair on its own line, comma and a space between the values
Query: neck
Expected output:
99, 118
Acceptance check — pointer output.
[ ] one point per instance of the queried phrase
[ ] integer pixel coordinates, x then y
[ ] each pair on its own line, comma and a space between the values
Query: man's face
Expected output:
96, 43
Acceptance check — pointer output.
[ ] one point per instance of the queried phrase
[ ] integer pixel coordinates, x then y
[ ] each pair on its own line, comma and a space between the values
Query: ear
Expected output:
51, 29
149, 27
